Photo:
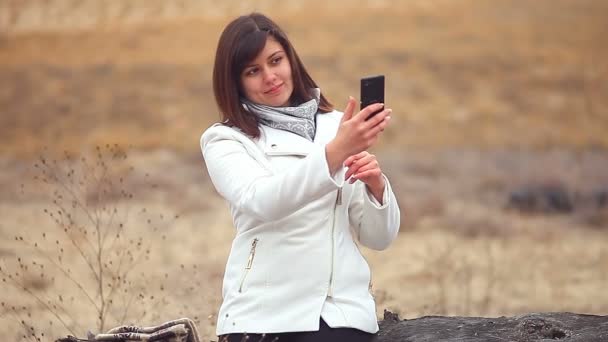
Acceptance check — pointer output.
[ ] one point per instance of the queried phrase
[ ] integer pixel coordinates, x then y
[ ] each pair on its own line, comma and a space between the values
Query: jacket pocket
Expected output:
249, 264
282, 161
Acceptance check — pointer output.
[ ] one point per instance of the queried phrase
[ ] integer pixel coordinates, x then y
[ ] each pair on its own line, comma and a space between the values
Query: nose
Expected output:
269, 76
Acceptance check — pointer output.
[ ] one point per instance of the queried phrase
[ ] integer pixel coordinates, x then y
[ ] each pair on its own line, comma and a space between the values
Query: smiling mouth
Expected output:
274, 89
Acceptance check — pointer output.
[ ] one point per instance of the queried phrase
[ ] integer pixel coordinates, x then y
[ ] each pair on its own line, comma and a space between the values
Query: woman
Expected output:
301, 189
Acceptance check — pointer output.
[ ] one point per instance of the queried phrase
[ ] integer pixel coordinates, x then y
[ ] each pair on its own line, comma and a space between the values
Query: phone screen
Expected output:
372, 91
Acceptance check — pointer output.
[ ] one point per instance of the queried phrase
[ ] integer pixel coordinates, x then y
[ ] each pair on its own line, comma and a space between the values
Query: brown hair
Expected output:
240, 42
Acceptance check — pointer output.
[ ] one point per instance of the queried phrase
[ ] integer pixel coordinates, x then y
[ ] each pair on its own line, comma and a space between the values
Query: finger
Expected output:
352, 170
373, 164
369, 110
361, 170
354, 158
367, 175
374, 131
349, 110
356, 166
378, 118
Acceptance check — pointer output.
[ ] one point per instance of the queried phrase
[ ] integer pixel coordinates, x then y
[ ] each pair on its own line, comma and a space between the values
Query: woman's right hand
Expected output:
356, 134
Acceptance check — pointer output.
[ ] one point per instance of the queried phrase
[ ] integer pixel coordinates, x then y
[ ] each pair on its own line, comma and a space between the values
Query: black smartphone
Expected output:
372, 91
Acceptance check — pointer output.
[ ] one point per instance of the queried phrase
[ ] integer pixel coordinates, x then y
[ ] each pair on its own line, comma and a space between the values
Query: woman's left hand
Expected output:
364, 167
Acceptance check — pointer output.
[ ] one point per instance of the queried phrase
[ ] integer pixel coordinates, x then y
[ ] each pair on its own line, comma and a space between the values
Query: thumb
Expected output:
350, 109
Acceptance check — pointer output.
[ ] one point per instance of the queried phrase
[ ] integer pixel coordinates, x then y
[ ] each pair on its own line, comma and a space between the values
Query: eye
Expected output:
276, 60
251, 71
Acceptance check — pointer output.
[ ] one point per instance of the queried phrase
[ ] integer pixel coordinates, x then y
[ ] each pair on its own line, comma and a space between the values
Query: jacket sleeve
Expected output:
244, 181
375, 224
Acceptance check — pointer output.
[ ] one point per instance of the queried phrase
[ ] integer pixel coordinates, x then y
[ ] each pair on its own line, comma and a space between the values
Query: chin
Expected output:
283, 103
278, 101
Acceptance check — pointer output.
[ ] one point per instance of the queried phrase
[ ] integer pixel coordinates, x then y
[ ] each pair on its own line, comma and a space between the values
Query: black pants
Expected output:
325, 334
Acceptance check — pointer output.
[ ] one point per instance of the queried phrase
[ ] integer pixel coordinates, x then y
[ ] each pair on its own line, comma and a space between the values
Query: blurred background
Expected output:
497, 151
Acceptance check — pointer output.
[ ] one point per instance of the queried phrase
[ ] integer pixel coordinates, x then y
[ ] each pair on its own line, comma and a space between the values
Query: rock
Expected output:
601, 198
556, 198
541, 199
556, 326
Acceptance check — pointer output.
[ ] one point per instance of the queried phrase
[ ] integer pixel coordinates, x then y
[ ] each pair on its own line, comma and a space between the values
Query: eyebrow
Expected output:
269, 57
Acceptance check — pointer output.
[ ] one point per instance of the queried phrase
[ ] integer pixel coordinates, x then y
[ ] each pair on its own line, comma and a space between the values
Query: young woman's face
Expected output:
267, 79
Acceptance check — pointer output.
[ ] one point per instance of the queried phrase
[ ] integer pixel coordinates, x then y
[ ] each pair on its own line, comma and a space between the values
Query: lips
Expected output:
274, 89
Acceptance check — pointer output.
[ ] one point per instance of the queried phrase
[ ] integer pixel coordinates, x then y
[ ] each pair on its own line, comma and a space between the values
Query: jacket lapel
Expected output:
276, 142
327, 126
279, 142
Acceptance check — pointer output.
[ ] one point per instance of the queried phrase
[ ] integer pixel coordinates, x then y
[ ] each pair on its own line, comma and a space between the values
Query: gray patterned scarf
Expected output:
299, 120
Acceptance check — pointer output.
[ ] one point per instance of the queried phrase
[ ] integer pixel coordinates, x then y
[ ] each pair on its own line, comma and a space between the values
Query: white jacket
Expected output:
294, 256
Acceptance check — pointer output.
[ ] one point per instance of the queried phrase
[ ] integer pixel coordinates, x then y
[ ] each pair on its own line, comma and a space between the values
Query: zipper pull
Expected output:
339, 199
251, 254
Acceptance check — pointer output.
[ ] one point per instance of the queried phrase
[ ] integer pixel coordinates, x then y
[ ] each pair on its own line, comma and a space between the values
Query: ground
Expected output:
488, 97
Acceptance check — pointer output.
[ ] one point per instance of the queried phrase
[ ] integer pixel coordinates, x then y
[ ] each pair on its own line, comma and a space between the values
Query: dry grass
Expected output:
439, 273
488, 74
488, 96
464, 254
89, 266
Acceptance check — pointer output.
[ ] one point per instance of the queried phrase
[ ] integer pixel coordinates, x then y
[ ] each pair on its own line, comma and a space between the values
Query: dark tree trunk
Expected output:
529, 327
533, 327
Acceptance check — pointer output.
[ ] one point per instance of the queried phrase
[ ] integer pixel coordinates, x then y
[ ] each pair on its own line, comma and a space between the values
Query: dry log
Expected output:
532, 327
556, 326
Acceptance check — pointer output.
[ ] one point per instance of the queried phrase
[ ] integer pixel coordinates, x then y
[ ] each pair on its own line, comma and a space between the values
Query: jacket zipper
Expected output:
371, 277
333, 227
254, 243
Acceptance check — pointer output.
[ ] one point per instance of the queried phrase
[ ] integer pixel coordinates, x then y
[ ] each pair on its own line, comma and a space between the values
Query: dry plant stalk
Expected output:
92, 256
